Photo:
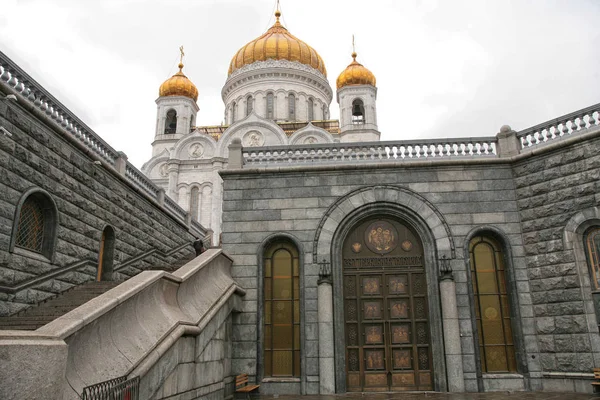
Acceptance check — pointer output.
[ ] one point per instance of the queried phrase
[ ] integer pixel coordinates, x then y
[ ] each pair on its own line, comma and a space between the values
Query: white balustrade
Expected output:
340, 153
567, 125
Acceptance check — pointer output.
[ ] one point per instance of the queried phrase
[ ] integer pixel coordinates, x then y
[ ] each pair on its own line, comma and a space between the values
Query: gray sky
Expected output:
444, 68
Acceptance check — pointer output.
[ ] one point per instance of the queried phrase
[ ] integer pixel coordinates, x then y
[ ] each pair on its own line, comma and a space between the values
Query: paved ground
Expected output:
445, 396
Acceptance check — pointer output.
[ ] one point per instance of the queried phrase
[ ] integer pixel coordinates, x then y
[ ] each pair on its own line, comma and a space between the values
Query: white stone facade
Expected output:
186, 162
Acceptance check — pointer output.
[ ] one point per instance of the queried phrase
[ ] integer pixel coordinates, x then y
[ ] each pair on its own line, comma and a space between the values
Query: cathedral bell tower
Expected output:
176, 110
357, 96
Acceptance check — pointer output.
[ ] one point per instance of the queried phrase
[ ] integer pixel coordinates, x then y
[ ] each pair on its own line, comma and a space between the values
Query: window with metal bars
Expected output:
249, 105
492, 309
35, 223
292, 107
592, 252
311, 110
281, 311
270, 106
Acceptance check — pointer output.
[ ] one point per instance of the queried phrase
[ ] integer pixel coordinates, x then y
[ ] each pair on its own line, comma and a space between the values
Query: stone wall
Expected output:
88, 197
551, 189
294, 201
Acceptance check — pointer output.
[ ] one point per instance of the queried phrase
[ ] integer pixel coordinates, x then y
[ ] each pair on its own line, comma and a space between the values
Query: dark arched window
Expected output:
171, 122
106, 254
291, 107
492, 310
324, 111
281, 310
358, 112
192, 123
36, 220
311, 109
249, 105
270, 106
194, 200
233, 112
592, 252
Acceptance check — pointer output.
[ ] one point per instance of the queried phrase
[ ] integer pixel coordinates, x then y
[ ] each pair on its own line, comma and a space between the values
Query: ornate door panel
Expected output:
385, 301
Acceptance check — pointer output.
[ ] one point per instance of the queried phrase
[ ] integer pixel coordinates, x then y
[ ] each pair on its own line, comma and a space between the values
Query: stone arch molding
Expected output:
393, 195
573, 240
303, 136
272, 134
207, 143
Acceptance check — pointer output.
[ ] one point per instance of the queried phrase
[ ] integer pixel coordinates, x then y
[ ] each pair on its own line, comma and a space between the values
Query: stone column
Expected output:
325, 321
454, 365
173, 170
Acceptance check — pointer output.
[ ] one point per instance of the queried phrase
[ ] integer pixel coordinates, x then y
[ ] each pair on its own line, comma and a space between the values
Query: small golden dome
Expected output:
179, 85
277, 44
355, 74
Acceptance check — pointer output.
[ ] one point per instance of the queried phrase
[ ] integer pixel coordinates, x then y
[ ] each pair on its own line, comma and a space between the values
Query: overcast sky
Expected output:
444, 68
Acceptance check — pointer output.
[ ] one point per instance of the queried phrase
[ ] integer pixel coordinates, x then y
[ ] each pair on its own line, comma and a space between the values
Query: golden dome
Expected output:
277, 44
355, 74
179, 85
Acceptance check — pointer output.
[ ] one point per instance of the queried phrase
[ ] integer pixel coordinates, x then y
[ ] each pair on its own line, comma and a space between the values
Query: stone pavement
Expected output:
443, 396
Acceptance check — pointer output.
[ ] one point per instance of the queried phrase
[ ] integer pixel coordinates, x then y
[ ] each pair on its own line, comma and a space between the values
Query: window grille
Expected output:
311, 110
249, 105
270, 100
30, 233
292, 107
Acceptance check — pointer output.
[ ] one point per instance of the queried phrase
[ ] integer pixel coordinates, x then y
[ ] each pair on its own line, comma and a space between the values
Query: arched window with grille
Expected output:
270, 106
592, 252
311, 109
171, 122
194, 200
492, 308
281, 322
249, 105
35, 223
291, 107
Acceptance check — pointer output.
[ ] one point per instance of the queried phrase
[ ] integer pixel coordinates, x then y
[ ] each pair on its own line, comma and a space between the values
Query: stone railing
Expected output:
560, 127
31, 91
404, 150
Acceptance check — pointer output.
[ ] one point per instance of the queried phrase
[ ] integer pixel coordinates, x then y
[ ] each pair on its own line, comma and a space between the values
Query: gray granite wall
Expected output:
88, 198
258, 205
551, 190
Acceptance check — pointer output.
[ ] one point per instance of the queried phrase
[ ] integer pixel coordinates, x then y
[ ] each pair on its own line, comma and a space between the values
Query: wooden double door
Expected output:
387, 333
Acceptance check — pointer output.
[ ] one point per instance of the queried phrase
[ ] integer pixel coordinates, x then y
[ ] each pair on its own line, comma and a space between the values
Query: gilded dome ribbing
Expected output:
277, 44
179, 85
355, 74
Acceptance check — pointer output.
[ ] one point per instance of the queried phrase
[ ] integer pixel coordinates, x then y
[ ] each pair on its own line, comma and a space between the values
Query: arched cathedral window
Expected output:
171, 122
249, 105
281, 310
292, 107
592, 252
311, 109
270, 106
358, 112
324, 112
492, 309
194, 206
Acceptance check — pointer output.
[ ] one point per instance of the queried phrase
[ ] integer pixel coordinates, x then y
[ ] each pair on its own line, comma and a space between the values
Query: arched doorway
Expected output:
106, 254
386, 311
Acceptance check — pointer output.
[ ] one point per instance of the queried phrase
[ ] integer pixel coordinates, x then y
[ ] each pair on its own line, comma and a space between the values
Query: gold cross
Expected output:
182, 54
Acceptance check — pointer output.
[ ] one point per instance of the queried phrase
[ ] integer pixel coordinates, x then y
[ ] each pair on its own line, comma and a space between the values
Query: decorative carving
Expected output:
402, 359
397, 284
423, 358
353, 360
270, 63
373, 335
399, 309
400, 334
420, 312
162, 170
491, 313
371, 285
253, 139
356, 247
422, 336
381, 237
418, 284
350, 286
351, 311
310, 140
372, 310
407, 245
196, 150
352, 335
374, 359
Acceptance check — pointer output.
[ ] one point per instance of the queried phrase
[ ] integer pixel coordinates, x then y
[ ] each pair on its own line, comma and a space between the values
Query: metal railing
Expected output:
18, 80
119, 388
556, 128
403, 150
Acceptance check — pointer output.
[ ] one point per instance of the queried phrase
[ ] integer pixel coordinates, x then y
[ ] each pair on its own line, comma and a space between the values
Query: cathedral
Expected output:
276, 94
336, 262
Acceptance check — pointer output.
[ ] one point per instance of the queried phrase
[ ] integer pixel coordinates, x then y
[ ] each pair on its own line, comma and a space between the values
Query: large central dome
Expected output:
277, 44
